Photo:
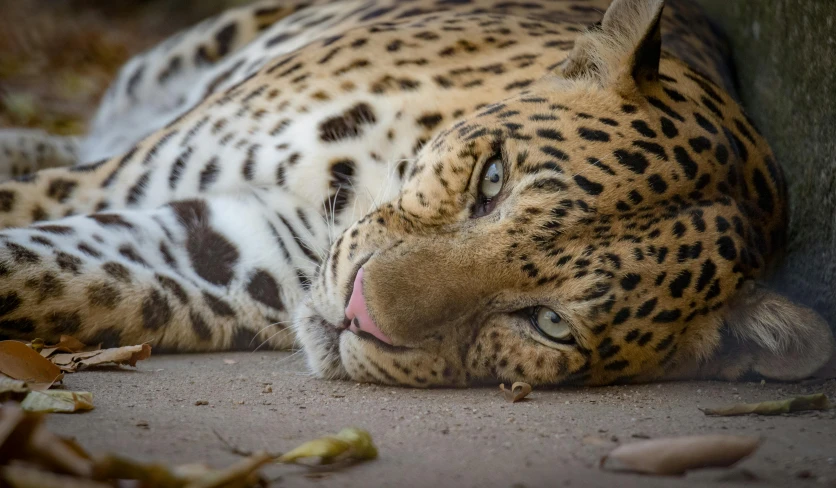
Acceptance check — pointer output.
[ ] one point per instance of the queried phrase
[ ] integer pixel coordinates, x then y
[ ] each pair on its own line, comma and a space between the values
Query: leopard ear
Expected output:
771, 336
623, 50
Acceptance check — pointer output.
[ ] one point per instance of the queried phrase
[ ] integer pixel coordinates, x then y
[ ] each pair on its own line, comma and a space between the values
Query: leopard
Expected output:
424, 193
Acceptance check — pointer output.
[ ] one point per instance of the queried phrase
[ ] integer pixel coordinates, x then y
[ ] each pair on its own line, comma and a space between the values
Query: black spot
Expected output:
589, 186
103, 295
704, 123
629, 281
679, 229
111, 220
60, 189
348, 125
606, 349
209, 174
593, 135
699, 144
657, 183
634, 161
664, 343
680, 283
7, 200
653, 148
708, 270
645, 338
218, 306
64, 322
642, 128
555, 153
621, 316
117, 271
666, 316
68, 262
18, 327
684, 159
156, 312
429, 121
9, 303
200, 327
174, 287
645, 308
726, 248
225, 38
551, 134
264, 288
669, 128
22, 254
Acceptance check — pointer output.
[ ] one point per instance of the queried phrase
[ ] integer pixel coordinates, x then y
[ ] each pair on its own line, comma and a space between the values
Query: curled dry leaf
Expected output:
65, 344
674, 456
349, 443
818, 401
21, 362
57, 401
518, 391
130, 355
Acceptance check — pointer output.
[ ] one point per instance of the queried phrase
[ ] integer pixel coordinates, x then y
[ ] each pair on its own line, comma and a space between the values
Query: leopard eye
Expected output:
492, 178
551, 324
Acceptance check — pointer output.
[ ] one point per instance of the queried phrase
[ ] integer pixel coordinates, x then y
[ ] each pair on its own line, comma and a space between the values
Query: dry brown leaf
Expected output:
57, 401
27, 477
72, 362
21, 362
818, 401
23, 437
349, 443
674, 456
518, 391
67, 344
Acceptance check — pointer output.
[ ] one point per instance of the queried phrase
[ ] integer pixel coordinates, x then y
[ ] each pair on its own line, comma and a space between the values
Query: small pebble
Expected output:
267, 389
201, 402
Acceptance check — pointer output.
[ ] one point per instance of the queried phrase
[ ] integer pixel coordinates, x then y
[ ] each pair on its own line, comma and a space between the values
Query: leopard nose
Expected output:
357, 312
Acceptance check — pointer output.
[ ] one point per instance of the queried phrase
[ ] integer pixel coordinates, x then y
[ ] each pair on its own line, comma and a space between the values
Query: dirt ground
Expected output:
435, 438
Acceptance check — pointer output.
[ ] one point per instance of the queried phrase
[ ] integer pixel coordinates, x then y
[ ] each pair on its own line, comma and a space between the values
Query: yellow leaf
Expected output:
349, 443
57, 401
21, 362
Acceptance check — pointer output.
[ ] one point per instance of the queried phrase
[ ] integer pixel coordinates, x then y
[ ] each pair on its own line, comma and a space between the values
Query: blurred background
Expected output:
57, 57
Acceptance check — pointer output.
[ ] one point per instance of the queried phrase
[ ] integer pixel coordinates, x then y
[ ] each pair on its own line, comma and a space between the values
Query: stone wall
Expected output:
785, 57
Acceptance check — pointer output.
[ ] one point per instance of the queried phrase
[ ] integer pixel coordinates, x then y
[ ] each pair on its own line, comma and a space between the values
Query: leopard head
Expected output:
605, 225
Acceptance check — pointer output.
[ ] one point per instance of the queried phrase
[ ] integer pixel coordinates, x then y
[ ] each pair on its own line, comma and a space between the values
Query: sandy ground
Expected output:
435, 438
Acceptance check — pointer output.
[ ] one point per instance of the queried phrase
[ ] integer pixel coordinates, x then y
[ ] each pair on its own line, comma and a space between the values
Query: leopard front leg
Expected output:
194, 275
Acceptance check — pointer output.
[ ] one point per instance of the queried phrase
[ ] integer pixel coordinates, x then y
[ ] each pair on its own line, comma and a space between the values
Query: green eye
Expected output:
492, 179
551, 324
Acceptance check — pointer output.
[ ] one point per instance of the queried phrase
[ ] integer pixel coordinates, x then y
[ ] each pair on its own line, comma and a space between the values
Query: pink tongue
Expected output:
358, 314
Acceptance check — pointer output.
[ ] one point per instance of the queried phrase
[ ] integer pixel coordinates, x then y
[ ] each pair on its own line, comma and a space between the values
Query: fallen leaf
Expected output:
72, 362
67, 344
57, 401
11, 389
27, 477
201, 402
818, 401
674, 456
230, 361
21, 362
23, 438
350, 443
518, 391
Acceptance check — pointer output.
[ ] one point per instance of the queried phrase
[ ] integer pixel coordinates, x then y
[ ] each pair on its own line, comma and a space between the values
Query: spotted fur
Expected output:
292, 144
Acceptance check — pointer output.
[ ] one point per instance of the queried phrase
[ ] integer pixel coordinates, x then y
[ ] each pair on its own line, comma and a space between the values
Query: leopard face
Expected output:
597, 228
